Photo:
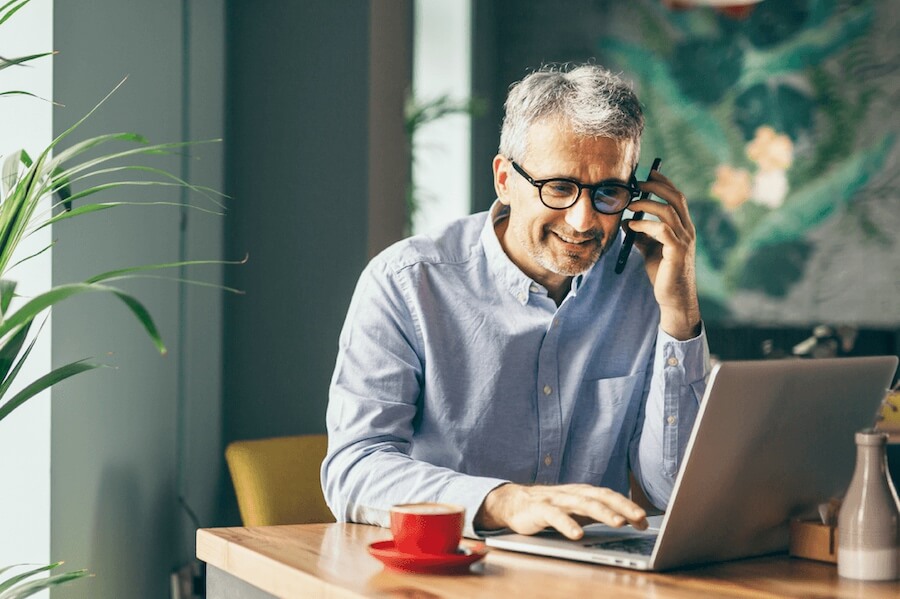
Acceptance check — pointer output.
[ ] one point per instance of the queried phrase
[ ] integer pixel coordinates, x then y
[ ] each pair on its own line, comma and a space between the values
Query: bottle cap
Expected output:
870, 436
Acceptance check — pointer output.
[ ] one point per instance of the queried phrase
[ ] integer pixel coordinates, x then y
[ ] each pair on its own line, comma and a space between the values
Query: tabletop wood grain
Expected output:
331, 560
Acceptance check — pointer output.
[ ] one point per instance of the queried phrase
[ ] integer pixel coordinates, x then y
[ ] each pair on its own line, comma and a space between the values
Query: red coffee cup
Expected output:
427, 528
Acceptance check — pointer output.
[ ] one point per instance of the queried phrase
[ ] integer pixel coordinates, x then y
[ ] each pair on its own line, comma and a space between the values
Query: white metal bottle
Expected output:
869, 520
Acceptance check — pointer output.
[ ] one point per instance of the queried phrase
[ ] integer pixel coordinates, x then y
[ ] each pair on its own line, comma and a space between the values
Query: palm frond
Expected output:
10, 8
5, 63
20, 587
45, 382
17, 92
30, 309
810, 47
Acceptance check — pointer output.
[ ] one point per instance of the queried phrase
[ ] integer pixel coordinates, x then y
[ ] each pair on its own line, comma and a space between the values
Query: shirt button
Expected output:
520, 296
533, 288
673, 361
548, 390
671, 419
556, 322
547, 460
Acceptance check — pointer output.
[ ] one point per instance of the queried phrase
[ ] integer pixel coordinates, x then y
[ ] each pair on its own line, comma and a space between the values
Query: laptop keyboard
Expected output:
636, 545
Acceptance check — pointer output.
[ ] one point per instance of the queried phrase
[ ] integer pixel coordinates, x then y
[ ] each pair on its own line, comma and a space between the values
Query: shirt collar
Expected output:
507, 274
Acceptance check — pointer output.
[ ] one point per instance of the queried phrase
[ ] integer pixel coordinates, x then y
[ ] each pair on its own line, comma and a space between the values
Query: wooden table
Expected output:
331, 560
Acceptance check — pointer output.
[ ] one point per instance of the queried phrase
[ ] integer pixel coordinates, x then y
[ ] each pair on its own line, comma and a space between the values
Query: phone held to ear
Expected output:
629, 234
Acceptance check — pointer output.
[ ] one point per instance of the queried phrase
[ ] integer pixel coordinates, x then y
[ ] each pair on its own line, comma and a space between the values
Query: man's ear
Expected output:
502, 169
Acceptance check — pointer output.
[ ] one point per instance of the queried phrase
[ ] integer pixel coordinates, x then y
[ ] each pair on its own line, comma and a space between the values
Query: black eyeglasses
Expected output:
607, 197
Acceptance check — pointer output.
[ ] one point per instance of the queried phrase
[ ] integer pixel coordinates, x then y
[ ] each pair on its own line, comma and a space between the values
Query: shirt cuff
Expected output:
469, 492
690, 357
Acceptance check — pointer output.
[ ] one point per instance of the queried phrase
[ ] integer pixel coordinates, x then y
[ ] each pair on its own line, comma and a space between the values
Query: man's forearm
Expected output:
677, 385
362, 486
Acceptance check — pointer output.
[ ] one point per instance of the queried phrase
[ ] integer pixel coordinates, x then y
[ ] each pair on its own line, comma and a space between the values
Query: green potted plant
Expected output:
65, 175
417, 113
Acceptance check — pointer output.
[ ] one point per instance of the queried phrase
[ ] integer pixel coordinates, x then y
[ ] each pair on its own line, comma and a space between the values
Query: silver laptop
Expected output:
772, 440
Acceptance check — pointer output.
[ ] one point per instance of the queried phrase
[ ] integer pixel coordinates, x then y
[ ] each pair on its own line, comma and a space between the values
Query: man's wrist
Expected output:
681, 326
691, 332
486, 517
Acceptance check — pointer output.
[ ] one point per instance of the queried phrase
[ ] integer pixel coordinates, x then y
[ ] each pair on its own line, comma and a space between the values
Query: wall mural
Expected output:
779, 126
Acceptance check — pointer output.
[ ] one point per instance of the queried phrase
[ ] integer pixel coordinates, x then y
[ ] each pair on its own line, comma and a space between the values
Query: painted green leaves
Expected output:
760, 123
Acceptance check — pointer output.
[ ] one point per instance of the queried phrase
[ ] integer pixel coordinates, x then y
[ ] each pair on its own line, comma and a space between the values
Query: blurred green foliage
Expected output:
804, 68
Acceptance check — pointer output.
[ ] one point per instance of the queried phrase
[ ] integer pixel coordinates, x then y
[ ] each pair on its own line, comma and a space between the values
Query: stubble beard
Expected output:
568, 264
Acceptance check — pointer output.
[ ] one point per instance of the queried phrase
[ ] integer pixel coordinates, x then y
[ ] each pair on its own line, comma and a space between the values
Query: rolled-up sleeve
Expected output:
375, 389
676, 386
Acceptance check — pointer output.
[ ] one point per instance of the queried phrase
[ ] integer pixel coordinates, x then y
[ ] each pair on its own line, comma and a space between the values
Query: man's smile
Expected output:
570, 240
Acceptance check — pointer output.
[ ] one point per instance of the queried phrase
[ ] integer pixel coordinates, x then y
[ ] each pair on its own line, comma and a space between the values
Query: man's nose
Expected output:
580, 215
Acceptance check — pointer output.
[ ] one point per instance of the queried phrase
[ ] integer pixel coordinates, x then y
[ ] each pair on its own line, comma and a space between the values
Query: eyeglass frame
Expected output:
631, 186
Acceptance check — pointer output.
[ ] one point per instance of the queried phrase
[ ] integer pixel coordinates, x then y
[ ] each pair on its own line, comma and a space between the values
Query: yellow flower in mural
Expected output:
774, 153
732, 186
770, 150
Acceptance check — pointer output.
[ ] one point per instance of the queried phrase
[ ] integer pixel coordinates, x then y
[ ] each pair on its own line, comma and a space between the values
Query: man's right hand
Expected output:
530, 509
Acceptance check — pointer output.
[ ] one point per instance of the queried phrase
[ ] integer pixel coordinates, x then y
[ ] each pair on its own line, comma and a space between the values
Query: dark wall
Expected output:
752, 343
510, 39
316, 154
297, 139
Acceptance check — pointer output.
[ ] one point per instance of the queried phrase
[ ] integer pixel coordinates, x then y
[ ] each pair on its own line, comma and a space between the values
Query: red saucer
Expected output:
450, 563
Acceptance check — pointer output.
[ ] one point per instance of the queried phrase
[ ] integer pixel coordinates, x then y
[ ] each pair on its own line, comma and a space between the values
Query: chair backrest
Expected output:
277, 480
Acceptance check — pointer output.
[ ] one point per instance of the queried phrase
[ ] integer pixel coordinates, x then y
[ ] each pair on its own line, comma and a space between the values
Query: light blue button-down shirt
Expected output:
457, 373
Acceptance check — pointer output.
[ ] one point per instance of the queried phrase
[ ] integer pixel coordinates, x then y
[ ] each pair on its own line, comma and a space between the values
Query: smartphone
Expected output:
629, 234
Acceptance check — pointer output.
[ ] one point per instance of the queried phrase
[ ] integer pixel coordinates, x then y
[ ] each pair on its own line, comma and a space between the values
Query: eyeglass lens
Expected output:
611, 198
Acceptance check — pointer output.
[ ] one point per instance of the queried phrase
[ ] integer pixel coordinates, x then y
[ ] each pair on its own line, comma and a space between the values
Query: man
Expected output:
502, 364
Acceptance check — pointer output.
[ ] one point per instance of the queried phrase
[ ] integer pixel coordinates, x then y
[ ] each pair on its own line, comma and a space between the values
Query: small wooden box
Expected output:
811, 539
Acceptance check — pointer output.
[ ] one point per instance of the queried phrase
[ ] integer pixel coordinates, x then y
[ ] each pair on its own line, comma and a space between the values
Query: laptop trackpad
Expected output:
605, 531
601, 534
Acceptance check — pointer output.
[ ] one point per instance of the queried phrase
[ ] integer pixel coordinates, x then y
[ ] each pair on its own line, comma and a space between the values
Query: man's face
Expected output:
552, 245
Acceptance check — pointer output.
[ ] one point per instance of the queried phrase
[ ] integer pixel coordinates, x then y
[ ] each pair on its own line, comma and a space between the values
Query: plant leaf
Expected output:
16, 92
122, 272
10, 582
43, 301
92, 142
810, 46
5, 63
9, 349
27, 258
193, 282
4, 7
12, 10
62, 175
115, 184
15, 212
158, 149
30, 588
11, 376
45, 382
710, 282
7, 292
88, 208
11, 171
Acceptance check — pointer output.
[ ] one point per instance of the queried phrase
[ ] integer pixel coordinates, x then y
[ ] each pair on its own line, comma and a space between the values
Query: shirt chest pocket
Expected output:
602, 423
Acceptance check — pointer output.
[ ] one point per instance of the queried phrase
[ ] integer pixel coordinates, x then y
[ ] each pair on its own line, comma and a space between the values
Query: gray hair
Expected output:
588, 98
